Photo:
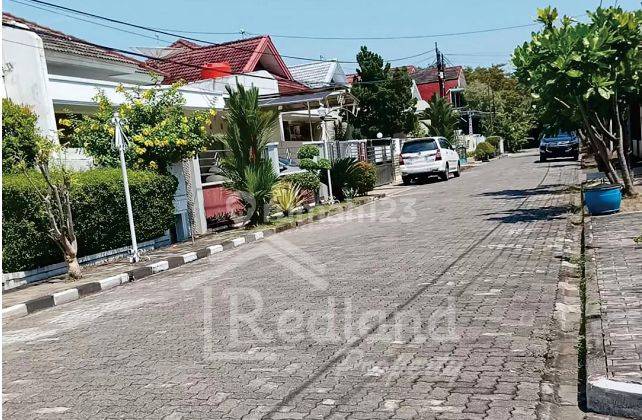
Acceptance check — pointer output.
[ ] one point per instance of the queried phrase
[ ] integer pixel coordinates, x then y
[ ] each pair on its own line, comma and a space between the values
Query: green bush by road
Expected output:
98, 207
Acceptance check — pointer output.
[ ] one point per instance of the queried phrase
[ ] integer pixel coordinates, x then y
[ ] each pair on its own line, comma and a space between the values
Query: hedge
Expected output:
99, 211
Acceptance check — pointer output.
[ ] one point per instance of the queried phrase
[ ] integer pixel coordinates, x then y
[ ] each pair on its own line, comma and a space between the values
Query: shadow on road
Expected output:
514, 194
529, 215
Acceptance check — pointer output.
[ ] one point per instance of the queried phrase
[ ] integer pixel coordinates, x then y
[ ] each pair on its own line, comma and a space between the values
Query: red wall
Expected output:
428, 90
219, 200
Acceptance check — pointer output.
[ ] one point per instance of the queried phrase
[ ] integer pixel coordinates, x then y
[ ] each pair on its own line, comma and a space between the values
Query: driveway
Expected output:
434, 302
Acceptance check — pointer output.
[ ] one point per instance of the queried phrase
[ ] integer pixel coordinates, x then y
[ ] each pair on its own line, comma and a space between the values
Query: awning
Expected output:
303, 99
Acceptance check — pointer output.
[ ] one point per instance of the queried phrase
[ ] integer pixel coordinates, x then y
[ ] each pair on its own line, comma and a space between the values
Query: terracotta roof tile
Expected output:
54, 40
185, 65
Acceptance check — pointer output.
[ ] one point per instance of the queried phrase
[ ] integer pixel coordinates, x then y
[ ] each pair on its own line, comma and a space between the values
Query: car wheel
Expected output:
458, 171
405, 180
542, 158
576, 156
444, 175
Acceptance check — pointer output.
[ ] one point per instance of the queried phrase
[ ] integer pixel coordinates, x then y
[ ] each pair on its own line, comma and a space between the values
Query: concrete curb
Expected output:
86, 289
603, 395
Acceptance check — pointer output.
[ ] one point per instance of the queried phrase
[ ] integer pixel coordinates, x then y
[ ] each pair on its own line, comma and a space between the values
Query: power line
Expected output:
366, 38
120, 22
121, 51
141, 55
155, 38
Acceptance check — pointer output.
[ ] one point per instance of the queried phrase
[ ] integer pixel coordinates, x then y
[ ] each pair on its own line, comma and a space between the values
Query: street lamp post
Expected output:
323, 112
121, 144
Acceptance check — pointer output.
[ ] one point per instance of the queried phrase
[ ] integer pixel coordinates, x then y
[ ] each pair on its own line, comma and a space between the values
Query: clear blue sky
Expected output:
324, 18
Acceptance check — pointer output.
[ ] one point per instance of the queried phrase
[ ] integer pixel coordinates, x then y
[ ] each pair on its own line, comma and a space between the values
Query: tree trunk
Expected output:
74, 272
629, 188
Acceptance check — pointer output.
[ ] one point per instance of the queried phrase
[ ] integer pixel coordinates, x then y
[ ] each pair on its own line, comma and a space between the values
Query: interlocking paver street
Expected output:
420, 305
618, 262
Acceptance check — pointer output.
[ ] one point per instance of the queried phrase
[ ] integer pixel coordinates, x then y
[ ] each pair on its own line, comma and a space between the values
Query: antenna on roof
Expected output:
156, 52
243, 33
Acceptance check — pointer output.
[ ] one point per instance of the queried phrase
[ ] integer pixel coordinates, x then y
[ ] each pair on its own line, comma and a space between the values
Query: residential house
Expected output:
319, 75
427, 81
56, 73
256, 62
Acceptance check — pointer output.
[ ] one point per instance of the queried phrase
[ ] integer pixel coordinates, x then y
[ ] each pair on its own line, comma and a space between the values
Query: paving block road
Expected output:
434, 302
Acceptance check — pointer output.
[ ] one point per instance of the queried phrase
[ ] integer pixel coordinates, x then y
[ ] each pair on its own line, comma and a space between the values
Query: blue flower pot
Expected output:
603, 199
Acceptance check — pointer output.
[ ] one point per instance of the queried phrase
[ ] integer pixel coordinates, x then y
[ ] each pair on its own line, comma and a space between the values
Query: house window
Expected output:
297, 132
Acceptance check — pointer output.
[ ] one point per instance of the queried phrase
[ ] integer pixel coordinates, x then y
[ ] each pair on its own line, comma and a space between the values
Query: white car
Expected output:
423, 157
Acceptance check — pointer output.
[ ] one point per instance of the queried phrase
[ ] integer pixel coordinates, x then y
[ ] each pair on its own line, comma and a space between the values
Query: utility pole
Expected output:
121, 144
440, 72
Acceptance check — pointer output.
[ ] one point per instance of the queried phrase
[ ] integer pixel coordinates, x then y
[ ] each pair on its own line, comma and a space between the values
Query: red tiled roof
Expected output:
58, 41
430, 75
241, 55
183, 43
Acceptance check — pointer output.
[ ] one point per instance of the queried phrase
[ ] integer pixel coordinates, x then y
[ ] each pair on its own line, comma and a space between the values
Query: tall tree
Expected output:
507, 105
443, 118
385, 98
584, 76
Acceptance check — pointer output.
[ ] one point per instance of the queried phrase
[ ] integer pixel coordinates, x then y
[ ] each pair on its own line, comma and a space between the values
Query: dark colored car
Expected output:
560, 145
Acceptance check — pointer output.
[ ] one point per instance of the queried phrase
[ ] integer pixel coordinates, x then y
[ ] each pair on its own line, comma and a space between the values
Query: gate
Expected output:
380, 152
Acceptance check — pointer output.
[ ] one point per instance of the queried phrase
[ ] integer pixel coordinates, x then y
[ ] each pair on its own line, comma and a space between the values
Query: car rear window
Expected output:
419, 146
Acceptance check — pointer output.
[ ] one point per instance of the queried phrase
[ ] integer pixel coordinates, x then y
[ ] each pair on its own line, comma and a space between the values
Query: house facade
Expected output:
427, 81
55, 74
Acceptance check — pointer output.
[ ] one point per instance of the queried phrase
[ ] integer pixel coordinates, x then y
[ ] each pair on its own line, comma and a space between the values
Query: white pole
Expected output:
327, 156
130, 213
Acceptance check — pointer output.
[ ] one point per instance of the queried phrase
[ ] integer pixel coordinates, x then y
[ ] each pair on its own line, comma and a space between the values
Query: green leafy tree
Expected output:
385, 99
246, 167
583, 77
24, 147
154, 121
507, 105
20, 137
443, 118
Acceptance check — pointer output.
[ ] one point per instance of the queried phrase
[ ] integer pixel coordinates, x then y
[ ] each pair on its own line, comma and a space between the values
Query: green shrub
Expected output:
494, 141
363, 178
341, 173
20, 136
308, 164
484, 151
324, 164
305, 180
308, 151
100, 215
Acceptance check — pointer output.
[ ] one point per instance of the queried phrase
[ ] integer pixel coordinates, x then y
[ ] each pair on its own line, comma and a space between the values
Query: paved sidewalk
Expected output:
619, 278
614, 315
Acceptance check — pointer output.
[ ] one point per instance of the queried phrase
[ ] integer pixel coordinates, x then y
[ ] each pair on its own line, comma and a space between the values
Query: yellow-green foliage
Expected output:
286, 197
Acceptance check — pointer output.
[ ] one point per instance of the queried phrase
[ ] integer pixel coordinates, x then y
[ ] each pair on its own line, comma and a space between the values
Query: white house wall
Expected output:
24, 76
76, 94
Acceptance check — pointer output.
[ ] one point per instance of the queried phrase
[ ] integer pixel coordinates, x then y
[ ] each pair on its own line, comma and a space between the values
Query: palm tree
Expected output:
443, 118
248, 170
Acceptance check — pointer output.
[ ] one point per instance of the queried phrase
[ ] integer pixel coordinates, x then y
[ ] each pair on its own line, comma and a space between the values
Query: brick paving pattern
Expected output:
436, 302
619, 279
